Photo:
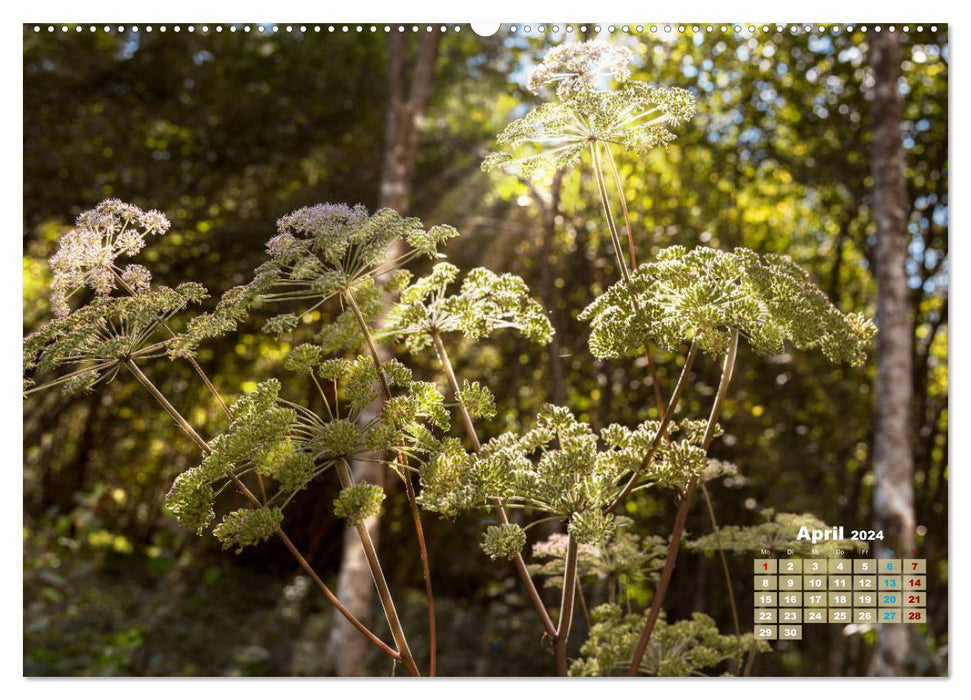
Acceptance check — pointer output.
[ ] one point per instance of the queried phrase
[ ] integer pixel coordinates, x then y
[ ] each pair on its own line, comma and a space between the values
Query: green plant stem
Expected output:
409, 486
662, 587
566, 606
377, 575
615, 238
500, 512
662, 428
288, 543
623, 207
608, 215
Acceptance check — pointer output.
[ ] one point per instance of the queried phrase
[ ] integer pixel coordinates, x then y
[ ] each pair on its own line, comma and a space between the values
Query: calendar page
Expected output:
526, 349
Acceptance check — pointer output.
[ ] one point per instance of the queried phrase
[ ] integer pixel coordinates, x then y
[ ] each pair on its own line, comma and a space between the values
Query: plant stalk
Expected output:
500, 512
678, 531
288, 543
409, 486
566, 606
377, 575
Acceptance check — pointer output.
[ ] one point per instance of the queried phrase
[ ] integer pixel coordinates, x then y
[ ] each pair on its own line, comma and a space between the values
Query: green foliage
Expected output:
682, 648
477, 399
486, 301
359, 502
701, 295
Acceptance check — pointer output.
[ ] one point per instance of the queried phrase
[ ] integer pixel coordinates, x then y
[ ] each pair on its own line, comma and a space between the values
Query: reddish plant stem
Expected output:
409, 486
673, 547
500, 512
203, 446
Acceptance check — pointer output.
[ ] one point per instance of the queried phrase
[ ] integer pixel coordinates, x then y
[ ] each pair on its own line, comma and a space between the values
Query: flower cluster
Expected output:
503, 541
87, 254
561, 468
248, 526
359, 502
92, 341
682, 648
576, 68
320, 252
484, 302
776, 533
291, 445
624, 558
633, 115
702, 295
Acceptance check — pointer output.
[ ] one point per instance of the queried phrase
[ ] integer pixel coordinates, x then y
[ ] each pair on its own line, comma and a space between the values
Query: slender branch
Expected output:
202, 375
661, 431
380, 582
304, 564
409, 486
602, 188
566, 606
623, 206
678, 531
500, 512
728, 577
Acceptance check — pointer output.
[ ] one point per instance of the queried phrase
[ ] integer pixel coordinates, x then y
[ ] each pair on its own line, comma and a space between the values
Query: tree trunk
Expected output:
402, 129
893, 494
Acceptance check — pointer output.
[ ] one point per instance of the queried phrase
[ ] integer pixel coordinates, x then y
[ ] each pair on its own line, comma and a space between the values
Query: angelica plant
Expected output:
682, 648
126, 324
703, 298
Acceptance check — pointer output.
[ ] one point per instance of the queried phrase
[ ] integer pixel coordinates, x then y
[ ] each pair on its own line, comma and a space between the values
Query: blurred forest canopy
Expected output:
226, 132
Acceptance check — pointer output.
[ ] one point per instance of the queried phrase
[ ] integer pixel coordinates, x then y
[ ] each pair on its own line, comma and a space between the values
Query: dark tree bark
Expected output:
893, 466
402, 130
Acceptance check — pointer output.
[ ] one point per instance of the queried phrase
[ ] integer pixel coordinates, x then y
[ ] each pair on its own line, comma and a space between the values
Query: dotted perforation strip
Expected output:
748, 29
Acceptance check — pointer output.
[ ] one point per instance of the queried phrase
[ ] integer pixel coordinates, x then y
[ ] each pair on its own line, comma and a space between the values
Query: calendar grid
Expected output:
791, 593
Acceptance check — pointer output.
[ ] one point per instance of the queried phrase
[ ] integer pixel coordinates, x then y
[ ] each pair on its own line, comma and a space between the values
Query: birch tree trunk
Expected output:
893, 494
402, 130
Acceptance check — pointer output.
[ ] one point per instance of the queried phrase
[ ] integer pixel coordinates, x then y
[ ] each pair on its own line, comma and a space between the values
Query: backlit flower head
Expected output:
702, 295
576, 68
90, 343
485, 302
321, 252
86, 255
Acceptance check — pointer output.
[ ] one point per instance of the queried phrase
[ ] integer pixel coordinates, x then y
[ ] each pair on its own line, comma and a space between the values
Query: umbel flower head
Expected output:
576, 68
561, 468
90, 343
702, 295
682, 648
86, 256
320, 252
624, 558
290, 445
486, 301
633, 115
777, 533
